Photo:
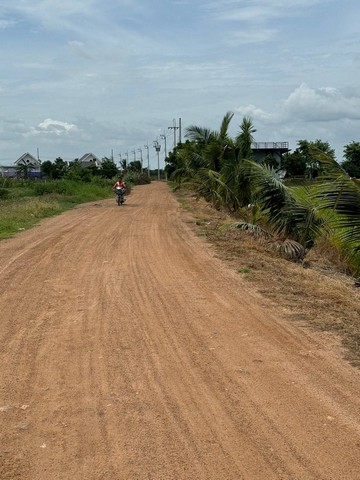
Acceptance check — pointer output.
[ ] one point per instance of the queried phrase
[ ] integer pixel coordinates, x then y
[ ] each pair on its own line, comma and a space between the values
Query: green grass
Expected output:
243, 270
26, 203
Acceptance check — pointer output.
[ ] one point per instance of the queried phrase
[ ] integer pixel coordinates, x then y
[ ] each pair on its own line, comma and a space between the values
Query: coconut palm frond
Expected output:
256, 230
330, 168
200, 134
351, 236
268, 189
225, 125
206, 184
245, 138
343, 196
290, 248
291, 212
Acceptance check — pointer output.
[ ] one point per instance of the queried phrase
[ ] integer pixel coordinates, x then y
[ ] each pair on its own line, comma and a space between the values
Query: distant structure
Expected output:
11, 171
89, 159
263, 150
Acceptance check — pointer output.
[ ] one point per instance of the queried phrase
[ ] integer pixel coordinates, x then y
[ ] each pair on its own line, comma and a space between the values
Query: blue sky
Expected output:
107, 77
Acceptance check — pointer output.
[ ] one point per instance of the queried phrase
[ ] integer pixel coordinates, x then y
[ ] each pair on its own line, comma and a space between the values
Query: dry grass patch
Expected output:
321, 296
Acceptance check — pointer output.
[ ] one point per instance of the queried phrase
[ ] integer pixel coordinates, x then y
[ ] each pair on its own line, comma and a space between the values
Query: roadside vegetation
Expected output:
25, 201
288, 214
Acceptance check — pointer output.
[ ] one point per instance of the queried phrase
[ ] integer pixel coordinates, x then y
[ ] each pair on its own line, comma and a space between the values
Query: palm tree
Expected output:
218, 173
290, 219
24, 168
245, 138
340, 194
211, 142
236, 186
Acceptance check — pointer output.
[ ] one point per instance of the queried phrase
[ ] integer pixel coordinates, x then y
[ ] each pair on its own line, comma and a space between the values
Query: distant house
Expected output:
8, 171
11, 171
89, 159
28, 159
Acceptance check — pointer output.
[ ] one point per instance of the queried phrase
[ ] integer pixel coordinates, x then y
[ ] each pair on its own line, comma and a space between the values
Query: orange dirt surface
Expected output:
130, 352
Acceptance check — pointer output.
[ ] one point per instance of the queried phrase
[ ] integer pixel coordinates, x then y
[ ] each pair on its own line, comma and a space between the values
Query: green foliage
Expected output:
47, 169
294, 164
19, 215
76, 172
60, 168
290, 218
23, 169
245, 138
4, 192
134, 166
136, 178
302, 162
351, 163
108, 168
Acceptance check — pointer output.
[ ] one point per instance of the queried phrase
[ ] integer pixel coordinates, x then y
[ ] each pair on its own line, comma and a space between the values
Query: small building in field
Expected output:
262, 151
8, 171
89, 159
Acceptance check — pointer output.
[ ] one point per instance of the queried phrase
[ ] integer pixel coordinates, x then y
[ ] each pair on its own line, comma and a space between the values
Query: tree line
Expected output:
262, 196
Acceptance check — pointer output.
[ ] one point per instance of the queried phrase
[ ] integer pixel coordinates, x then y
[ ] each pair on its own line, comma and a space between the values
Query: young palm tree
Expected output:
289, 217
24, 168
245, 138
340, 194
236, 189
211, 142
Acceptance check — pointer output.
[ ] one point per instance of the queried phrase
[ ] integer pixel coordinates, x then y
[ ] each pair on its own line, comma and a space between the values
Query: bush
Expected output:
4, 192
137, 178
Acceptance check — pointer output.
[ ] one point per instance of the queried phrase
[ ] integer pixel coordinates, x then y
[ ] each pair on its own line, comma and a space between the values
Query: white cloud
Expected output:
256, 113
321, 104
306, 104
53, 127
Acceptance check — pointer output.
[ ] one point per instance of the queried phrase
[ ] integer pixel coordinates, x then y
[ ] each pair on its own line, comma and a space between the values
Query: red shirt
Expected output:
120, 183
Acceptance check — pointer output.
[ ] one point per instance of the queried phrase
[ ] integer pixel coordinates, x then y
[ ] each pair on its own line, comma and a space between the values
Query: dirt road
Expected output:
129, 352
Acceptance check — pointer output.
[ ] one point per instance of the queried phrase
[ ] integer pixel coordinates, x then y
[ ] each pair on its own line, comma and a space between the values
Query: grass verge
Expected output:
25, 206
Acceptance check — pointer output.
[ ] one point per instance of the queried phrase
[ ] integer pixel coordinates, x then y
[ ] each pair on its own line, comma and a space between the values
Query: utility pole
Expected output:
179, 130
174, 127
134, 153
148, 160
141, 159
164, 138
158, 148
127, 160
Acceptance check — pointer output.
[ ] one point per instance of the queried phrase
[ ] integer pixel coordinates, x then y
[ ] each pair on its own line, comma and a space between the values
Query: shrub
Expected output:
4, 192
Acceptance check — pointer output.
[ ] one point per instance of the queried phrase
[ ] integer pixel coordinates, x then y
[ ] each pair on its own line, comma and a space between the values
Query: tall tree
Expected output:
351, 163
108, 168
302, 162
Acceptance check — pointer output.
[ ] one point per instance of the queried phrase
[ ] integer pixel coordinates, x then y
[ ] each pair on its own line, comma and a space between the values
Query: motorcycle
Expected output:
119, 192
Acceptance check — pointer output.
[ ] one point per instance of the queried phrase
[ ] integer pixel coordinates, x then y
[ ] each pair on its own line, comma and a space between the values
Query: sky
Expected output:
111, 76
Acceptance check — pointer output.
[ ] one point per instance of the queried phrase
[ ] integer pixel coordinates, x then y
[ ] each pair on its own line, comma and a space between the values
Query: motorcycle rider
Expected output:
120, 184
